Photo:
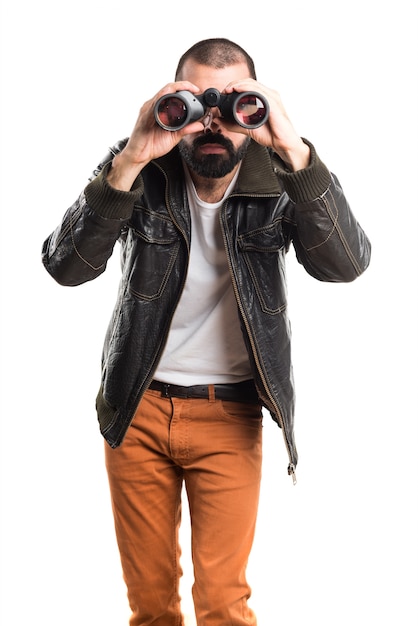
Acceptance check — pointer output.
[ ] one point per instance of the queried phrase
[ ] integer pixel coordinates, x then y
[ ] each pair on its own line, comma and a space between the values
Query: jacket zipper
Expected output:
183, 234
291, 467
149, 376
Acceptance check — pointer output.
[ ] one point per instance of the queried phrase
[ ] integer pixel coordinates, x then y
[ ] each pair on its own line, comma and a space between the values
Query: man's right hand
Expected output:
148, 140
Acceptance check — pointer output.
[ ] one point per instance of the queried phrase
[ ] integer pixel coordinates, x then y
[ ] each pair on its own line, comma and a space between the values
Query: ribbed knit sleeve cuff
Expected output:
109, 202
307, 184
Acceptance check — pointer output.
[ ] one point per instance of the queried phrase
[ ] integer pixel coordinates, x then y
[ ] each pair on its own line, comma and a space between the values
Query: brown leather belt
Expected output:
235, 392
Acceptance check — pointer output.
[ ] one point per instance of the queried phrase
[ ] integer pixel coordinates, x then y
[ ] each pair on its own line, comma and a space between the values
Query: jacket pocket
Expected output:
151, 251
263, 251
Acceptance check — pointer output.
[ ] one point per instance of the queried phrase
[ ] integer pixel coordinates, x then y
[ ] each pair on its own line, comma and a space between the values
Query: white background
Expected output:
340, 548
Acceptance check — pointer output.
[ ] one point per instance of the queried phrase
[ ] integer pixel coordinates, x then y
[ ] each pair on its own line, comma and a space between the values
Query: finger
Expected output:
246, 84
182, 85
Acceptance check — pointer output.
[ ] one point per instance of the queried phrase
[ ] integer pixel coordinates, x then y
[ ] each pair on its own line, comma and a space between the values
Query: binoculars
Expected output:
174, 111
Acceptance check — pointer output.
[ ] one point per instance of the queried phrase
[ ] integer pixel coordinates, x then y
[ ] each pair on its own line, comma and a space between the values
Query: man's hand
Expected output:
148, 140
278, 132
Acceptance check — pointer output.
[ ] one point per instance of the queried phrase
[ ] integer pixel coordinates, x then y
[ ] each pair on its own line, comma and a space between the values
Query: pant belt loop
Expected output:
211, 390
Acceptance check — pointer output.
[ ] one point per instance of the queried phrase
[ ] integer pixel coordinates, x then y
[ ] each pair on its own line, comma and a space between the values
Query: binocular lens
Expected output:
172, 112
250, 111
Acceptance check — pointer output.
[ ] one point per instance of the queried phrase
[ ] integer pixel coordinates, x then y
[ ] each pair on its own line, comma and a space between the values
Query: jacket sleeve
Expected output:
79, 248
329, 242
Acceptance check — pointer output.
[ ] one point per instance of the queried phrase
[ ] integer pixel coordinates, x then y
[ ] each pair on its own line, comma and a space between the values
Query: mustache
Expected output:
213, 138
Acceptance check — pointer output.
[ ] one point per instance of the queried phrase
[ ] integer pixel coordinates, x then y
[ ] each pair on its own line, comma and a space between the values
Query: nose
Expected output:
210, 121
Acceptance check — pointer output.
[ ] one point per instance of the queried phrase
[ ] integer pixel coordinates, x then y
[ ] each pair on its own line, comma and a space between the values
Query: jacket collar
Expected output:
257, 173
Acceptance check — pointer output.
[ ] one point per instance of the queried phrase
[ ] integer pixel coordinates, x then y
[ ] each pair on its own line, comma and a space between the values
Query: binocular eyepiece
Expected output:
174, 111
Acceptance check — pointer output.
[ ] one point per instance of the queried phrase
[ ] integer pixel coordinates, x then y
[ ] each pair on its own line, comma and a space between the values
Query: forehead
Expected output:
204, 76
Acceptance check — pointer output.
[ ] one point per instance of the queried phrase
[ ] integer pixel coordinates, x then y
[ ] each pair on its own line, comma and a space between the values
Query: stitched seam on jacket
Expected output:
96, 269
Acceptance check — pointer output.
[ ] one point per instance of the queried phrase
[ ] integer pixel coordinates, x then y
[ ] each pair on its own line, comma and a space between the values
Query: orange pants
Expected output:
215, 447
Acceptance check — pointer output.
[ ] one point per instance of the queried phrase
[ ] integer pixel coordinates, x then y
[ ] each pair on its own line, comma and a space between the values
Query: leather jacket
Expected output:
269, 209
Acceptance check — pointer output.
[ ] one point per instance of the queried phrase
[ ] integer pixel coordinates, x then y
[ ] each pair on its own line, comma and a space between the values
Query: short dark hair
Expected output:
218, 53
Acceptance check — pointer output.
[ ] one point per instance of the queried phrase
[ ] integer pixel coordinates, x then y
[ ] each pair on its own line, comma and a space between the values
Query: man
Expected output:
199, 340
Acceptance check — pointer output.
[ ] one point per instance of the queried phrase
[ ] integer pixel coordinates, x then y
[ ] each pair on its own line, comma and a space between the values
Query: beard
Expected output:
213, 165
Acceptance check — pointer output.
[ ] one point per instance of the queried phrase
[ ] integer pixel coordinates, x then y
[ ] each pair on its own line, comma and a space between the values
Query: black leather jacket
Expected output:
269, 209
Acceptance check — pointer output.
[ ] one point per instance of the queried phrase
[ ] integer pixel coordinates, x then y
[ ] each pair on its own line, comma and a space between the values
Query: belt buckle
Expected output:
165, 390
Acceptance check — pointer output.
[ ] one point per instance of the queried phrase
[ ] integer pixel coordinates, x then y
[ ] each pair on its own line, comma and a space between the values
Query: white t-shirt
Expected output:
205, 344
